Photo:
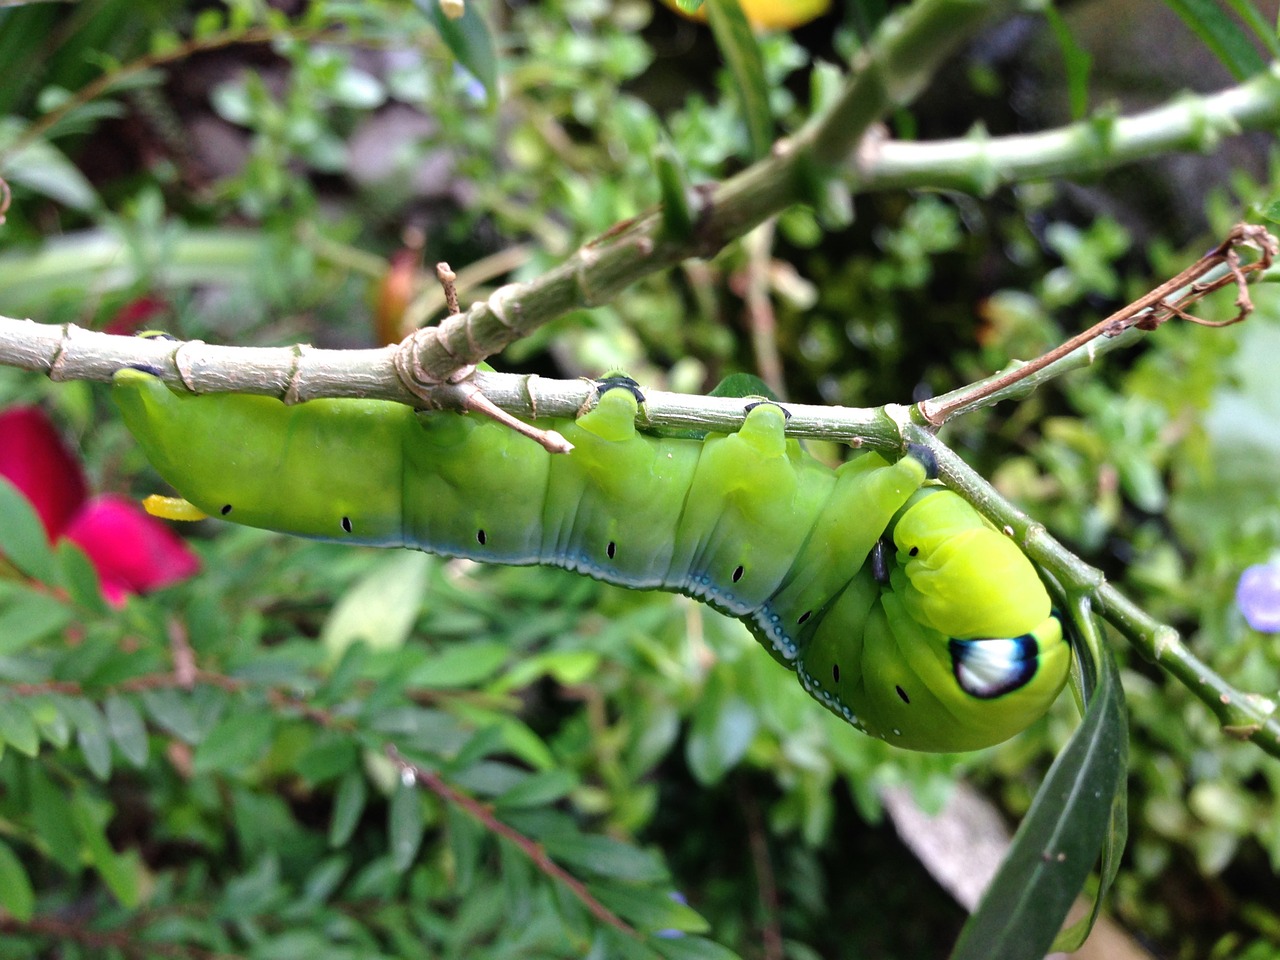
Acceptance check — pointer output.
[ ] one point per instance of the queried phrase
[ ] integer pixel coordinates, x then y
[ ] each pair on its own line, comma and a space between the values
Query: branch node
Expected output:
186, 373
292, 394
529, 392
59, 357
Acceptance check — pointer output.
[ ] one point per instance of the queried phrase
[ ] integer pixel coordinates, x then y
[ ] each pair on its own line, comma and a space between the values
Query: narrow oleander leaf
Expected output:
738, 46
1069, 823
1221, 34
1257, 23
469, 40
1076, 61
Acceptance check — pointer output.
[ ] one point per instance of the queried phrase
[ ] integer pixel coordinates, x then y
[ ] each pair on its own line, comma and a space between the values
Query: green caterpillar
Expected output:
898, 606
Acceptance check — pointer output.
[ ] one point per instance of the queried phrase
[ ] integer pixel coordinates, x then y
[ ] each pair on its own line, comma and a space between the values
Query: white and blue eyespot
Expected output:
991, 667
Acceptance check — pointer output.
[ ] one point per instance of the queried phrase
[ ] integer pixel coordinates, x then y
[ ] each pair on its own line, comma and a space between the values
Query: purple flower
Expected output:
1258, 596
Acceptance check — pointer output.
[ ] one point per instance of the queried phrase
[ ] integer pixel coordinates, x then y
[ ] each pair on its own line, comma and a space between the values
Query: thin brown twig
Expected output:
483, 814
184, 658
447, 283
1147, 312
126, 942
276, 696
771, 946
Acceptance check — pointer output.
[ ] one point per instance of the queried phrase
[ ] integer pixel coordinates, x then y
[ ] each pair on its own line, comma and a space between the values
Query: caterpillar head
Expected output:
997, 657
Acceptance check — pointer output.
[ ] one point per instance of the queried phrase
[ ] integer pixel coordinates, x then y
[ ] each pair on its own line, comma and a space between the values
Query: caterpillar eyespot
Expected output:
867, 558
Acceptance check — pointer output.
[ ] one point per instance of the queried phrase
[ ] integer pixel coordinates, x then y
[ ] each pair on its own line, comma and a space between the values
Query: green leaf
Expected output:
381, 608
738, 46
91, 735
120, 872
723, 729
691, 948
607, 857
459, 665
28, 616
22, 538
1076, 61
1066, 827
235, 743
16, 895
44, 169
538, 790
469, 40
51, 817
127, 729
80, 578
405, 825
1256, 22
171, 709
17, 728
347, 807
647, 908
1221, 34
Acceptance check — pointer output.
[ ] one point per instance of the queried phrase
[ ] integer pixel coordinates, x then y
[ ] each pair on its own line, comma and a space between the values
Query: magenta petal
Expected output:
132, 552
34, 459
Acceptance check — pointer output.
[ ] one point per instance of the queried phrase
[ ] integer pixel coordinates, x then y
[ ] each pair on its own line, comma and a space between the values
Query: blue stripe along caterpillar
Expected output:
900, 609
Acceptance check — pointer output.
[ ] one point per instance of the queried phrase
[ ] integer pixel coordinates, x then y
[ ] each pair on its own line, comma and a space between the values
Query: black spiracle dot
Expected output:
480, 537
835, 672
226, 508
913, 551
346, 524
805, 616
737, 573
903, 694
611, 549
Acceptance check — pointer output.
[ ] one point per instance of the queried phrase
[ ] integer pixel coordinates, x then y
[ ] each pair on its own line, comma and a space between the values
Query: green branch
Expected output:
889, 71
980, 164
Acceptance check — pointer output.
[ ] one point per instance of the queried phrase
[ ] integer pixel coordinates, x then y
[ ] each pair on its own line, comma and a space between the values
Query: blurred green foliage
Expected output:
257, 189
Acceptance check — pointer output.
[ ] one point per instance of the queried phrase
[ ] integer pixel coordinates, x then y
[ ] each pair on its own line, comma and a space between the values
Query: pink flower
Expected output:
132, 552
